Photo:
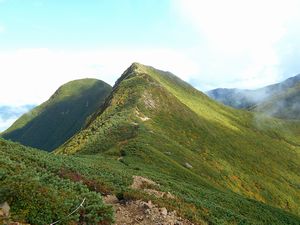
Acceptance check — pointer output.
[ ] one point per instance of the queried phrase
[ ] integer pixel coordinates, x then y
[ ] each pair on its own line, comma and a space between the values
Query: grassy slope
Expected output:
50, 124
36, 188
158, 123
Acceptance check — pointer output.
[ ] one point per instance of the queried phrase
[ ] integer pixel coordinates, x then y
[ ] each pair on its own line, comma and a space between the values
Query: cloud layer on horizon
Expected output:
9, 114
245, 44
32, 75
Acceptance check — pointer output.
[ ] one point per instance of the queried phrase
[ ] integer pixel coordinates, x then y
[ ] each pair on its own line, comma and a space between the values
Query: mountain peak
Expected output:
76, 87
136, 64
134, 69
138, 67
50, 124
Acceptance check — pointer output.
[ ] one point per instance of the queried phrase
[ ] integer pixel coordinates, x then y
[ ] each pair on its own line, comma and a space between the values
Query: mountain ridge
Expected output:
155, 121
210, 163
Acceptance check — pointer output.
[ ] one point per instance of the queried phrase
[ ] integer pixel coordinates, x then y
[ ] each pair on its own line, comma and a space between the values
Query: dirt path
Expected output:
141, 212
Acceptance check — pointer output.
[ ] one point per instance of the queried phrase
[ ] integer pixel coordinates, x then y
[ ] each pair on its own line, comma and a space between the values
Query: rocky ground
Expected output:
136, 212
141, 212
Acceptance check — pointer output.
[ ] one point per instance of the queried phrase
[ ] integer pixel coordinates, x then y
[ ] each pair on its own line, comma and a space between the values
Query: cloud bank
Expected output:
32, 75
245, 44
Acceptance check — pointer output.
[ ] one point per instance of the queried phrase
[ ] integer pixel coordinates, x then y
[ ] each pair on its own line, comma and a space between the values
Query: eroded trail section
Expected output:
141, 212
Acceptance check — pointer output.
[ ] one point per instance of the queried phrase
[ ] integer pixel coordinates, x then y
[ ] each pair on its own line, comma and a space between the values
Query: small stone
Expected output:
187, 165
147, 211
169, 195
139, 218
164, 211
4, 209
173, 213
147, 205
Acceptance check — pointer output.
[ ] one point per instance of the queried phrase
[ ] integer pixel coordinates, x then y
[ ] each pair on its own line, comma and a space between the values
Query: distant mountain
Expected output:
9, 114
284, 104
50, 124
225, 166
237, 98
279, 100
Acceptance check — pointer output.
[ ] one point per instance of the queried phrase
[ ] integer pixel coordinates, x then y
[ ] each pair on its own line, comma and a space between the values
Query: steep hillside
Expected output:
229, 166
280, 100
50, 124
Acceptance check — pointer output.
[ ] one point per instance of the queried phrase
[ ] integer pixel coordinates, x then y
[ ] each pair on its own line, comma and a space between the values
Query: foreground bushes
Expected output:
37, 196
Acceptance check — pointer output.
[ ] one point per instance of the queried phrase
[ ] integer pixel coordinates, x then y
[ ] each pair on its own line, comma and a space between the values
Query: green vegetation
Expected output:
243, 167
59, 183
224, 166
33, 185
52, 123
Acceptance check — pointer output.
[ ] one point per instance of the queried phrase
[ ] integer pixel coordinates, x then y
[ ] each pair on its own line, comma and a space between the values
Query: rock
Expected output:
147, 205
169, 195
163, 211
147, 211
142, 212
111, 199
4, 209
158, 194
173, 213
140, 182
187, 165
139, 218
177, 222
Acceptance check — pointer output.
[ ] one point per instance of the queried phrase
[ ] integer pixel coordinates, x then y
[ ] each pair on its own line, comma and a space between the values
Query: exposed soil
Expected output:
141, 212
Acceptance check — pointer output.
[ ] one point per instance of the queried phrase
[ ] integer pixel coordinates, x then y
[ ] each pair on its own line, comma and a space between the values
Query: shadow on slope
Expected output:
55, 121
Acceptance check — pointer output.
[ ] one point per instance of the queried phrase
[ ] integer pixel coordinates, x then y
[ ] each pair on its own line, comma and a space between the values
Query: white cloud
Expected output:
32, 75
240, 38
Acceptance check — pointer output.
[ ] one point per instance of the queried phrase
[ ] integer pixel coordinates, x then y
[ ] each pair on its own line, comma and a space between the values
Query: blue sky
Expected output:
216, 43
90, 24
